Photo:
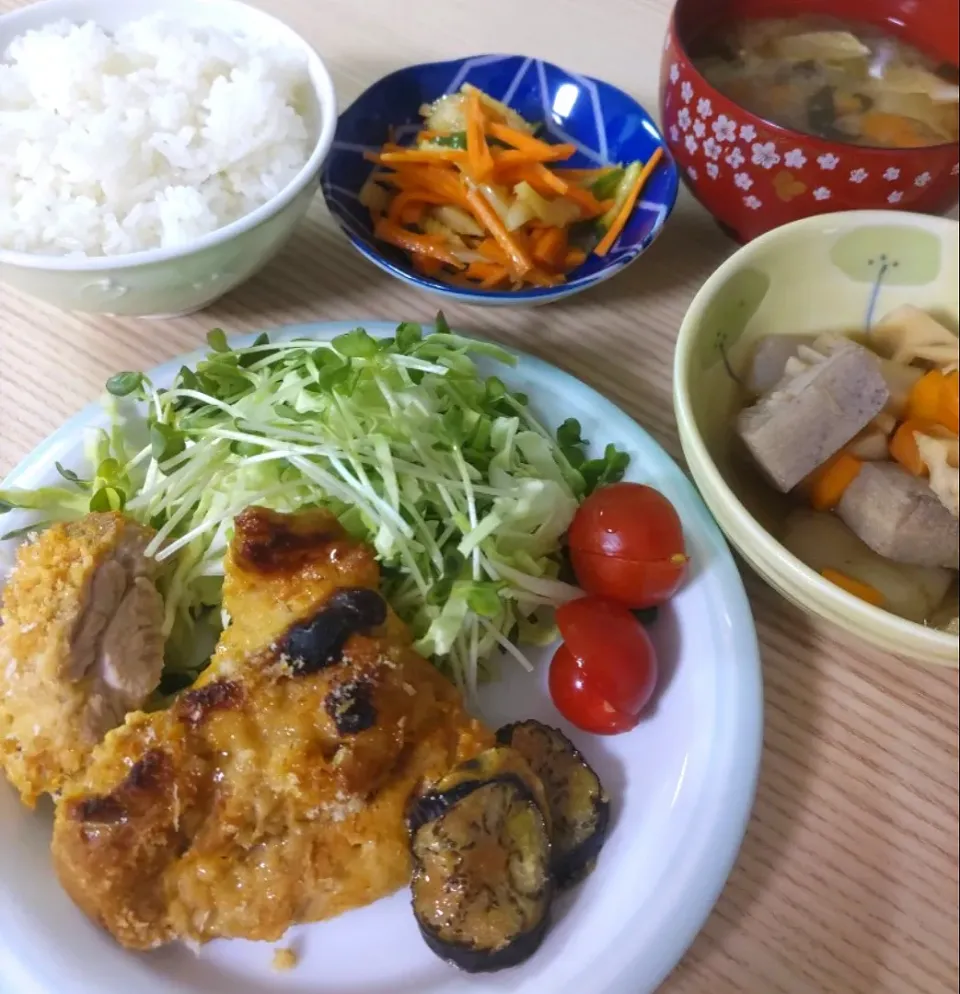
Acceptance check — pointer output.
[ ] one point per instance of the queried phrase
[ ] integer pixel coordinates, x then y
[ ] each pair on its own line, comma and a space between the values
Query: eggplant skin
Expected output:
496, 762
579, 806
482, 864
474, 959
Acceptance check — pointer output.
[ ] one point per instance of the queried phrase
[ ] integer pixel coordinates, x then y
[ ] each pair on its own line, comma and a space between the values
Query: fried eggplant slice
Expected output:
482, 884
579, 806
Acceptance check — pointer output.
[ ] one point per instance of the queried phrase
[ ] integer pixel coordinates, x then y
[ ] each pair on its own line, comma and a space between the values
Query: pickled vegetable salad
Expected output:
479, 201
464, 495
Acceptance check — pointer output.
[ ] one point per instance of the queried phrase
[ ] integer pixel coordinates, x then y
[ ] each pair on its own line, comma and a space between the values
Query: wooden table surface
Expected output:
847, 882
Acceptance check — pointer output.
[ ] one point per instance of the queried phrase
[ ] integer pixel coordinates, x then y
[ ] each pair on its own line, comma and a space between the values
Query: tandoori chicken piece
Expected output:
274, 790
80, 647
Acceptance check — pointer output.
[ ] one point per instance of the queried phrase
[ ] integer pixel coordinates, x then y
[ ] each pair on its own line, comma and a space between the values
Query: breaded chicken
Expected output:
274, 790
80, 646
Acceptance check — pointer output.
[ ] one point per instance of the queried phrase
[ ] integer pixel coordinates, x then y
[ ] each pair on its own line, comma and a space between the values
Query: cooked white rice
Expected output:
146, 138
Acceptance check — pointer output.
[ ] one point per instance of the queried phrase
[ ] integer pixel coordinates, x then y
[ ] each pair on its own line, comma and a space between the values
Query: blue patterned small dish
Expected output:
605, 124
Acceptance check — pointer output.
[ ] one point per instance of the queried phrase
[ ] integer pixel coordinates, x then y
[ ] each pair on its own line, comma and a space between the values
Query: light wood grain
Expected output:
848, 879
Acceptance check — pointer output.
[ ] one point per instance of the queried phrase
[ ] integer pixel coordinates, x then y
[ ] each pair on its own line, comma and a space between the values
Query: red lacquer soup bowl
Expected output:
753, 175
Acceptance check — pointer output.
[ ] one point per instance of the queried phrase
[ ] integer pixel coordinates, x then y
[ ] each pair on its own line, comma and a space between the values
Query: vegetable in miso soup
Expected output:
835, 80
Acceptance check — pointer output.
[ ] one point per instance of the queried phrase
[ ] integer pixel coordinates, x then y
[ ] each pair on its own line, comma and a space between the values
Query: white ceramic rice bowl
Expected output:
164, 282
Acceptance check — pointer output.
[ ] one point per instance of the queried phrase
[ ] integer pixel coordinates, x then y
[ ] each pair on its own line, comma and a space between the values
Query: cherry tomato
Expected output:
612, 649
626, 543
578, 704
632, 582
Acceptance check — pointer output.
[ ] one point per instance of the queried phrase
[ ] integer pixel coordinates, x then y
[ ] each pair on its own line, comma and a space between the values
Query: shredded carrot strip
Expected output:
457, 279
524, 238
862, 590
511, 173
545, 180
827, 484
410, 155
550, 247
532, 150
489, 274
606, 243
548, 184
534, 147
584, 199
505, 158
492, 156
518, 260
481, 270
426, 265
387, 148
539, 277
495, 280
442, 183
479, 159
413, 213
409, 241
527, 172
490, 249
407, 199
550, 179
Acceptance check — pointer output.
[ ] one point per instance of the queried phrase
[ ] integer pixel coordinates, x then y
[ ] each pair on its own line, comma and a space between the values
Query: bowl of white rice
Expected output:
154, 154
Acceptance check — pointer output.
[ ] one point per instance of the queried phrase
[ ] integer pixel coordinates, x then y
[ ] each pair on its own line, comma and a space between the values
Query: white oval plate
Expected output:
682, 785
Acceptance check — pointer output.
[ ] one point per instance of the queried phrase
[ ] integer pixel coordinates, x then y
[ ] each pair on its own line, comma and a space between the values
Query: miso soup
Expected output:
835, 80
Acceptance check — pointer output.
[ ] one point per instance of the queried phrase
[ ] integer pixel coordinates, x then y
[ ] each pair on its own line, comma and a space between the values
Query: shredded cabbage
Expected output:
462, 493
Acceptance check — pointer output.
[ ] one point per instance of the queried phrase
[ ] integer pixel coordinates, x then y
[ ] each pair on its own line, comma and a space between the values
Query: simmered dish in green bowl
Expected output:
816, 391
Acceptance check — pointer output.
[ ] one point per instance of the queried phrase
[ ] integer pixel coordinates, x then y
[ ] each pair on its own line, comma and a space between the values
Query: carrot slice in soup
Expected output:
903, 446
923, 404
862, 590
950, 403
890, 130
826, 485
